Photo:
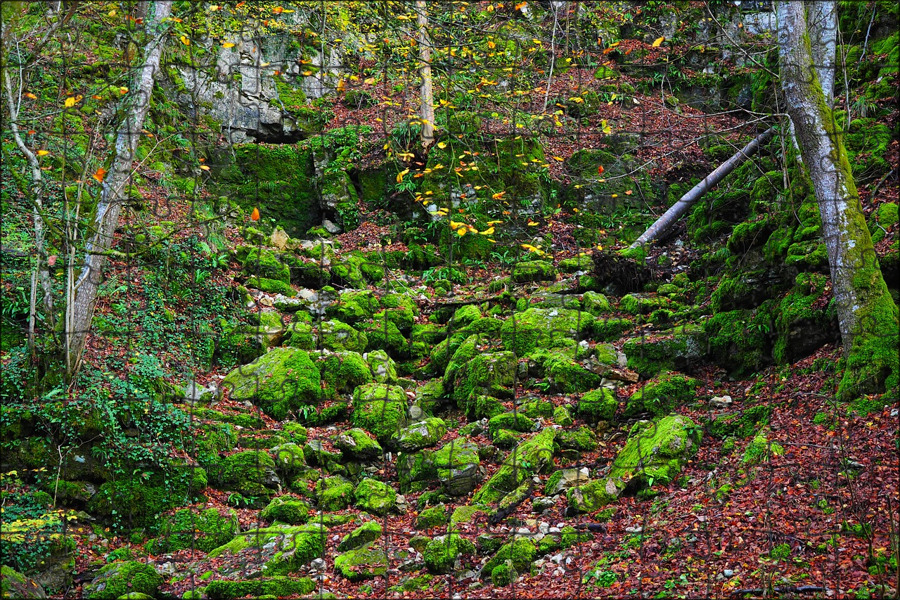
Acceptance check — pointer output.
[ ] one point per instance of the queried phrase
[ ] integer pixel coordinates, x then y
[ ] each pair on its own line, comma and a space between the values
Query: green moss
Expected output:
421, 435
662, 394
609, 329
118, 579
340, 337
582, 439
375, 497
471, 373
668, 350
562, 416
534, 270
529, 457
385, 335
275, 586
511, 421
280, 381
380, 409
502, 575
343, 372
334, 493
264, 264
286, 510
456, 466
353, 306
656, 451
520, 551
202, 530
598, 405
366, 562
542, 328
441, 553
272, 286
567, 375
358, 445
252, 473
884, 217
760, 449
435, 516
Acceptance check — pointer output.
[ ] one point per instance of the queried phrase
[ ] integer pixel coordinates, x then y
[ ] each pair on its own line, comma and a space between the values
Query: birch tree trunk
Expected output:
426, 112
867, 315
80, 312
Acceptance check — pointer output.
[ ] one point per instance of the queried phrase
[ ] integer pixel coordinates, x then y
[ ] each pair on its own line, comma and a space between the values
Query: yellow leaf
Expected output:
70, 101
442, 145
558, 158
494, 222
185, 41
369, 81
461, 231
42, 152
204, 167
488, 231
532, 224
123, 90
658, 41
455, 224
99, 175
401, 174
31, 96
615, 195
498, 195
341, 85
228, 45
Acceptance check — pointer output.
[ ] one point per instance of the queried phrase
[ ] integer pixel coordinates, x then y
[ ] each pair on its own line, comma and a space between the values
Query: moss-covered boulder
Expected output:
364, 534
270, 587
380, 409
275, 550
400, 309
366, 562
120, 578
337, 336
353, 306
415, 470
520, 551
529, 457
598, 405
15, 585
513, 421
674, 349
544, 328
662, 394
533, 270
251, 473
656, 452
334, 493
358, 445
265, 264
300, 335
375, 497
382, 366
471, 372
582, 439
385, 335
442, 552
566, 374
594, 495
423, 434
279, 382
457, 466
342, 372
435, 516
199, 529
287, 509
289, 459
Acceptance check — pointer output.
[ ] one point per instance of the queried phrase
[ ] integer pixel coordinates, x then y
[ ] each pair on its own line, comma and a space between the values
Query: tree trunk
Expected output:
112, 196
867, 315
426, 113
677, 210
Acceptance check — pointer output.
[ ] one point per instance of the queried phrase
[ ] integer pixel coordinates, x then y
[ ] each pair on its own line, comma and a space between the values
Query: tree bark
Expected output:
111, 198
426, 112
867, 315
677, 210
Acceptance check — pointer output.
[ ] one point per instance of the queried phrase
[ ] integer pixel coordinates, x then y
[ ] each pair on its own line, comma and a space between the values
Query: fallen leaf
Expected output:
658, 41
254, 216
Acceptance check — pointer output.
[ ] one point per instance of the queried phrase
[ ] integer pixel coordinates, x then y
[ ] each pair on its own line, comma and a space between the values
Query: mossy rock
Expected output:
567, 375
265, 264
15, 585
576, 264
289, 459
533, 270
662, 394
562, 416
512, 421
642, 304
342, 372
334, 493
595, 303
366, 533
537, 408
542, 328
675, 349
760, 449
609, 329
340, 337
280, 381
594, 495
276, 587
385, 335
656, 452
382, 366
252, 473
202, 530
521, 552
803, 325
353, 306
436, 516
300, 335
484, 407
401, 309
598, 405
531, 456
287, 509
457, 466
120, 578
366, 562
470, 373
740, 341
423, 434
375, 497
358, 445
271, 286
380, 409
581, 439
441, 553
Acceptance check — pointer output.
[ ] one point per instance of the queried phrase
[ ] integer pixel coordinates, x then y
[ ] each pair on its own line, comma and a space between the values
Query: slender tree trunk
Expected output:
426, 113
111, 198
867, 315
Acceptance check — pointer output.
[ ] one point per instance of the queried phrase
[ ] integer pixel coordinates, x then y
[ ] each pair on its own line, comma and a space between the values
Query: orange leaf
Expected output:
600, 169
99, 175
30, 96
254, 216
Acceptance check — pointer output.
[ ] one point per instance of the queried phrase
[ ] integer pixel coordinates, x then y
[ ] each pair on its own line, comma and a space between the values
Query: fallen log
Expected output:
677, 210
